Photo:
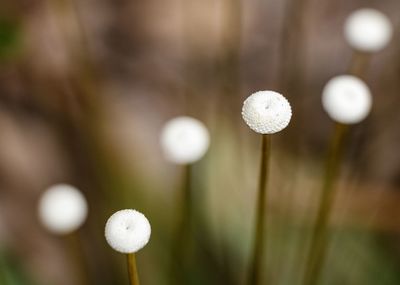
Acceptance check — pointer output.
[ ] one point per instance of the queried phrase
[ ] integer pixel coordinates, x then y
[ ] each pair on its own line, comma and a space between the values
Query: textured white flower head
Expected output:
266, 112
127, 231
62, 209
368, 30
347, 99
184, 140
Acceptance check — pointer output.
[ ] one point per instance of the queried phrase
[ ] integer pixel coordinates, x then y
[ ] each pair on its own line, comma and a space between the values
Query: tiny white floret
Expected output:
62, 209
347, 99
127, 231
184, 140
266, 112
368, 30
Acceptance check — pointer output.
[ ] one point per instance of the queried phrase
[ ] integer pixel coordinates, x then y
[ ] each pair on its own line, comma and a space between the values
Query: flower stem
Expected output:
319, 238
132, 269
359, 64
182, 236
186, 202
258, 253
76, 249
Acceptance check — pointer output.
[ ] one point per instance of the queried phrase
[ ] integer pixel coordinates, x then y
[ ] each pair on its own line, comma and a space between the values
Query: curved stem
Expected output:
258, 254
319, 238
132, 269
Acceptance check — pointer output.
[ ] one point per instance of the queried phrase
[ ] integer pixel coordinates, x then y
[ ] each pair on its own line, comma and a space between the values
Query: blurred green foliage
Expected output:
11, 272
10, 38
354, 257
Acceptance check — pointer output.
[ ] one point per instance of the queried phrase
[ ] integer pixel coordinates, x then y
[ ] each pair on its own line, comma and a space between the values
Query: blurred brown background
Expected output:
86, 86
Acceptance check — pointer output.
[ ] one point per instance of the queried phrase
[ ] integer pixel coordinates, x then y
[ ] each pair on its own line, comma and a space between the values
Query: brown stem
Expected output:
319, 238
76, 249
186, 201
258, 253
182, 236
132, 269
359, 64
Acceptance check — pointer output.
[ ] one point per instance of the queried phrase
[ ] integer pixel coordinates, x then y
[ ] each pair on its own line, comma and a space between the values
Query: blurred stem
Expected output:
292, 46
186, 201
319, 238
359, 64
132, 269
258, 254
228, 64
182, 235
185, 215
76, 249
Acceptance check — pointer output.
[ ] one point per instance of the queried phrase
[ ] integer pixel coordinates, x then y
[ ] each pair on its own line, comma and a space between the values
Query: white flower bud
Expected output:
184, 140
62, 209
127, 231
347, 99
266, 112
368, 30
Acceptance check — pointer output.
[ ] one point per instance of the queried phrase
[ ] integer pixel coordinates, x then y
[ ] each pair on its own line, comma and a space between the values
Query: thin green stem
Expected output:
76, 250
132, 269
319, 238
186, 202
259, 253
182, 236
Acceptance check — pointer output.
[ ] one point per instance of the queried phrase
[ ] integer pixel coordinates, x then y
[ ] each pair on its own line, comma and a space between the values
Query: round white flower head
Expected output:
184, 140
127, 231
62, 209
347, 99
368, 30
266, 112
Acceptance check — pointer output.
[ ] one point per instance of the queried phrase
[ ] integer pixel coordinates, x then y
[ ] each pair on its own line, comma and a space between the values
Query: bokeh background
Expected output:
86, 86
